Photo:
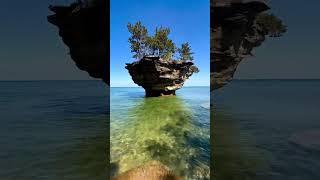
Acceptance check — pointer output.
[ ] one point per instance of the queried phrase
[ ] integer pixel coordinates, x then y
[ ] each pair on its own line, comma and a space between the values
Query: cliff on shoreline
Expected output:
83, 28
160, 77
237, 27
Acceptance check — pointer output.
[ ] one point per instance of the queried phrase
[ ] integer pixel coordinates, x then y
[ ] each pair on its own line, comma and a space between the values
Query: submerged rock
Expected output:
307, 139
151, 171
160, 77
234, 34
83, 28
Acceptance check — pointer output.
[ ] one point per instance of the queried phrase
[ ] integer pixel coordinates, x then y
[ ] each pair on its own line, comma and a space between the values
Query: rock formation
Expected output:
83, 28
160, 77
234, 33
150, 171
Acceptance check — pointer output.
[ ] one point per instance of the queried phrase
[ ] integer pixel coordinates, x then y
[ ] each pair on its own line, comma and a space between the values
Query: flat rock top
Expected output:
157, 60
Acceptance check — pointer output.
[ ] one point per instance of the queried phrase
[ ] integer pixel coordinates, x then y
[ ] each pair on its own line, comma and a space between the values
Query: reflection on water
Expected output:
162, 129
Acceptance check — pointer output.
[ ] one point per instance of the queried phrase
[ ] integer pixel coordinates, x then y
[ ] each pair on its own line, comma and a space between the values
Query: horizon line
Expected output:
18, 80
142, 87
277, 79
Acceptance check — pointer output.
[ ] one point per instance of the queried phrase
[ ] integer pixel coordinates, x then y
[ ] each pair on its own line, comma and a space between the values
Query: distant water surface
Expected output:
267, 129
173, 130
53, 130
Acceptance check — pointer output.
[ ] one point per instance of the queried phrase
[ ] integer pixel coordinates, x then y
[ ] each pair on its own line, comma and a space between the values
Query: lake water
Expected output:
173, 130
262, 130
53, 130
267, 129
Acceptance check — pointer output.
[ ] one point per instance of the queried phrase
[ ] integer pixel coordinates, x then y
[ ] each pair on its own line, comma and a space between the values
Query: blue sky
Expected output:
188, 20
31, 49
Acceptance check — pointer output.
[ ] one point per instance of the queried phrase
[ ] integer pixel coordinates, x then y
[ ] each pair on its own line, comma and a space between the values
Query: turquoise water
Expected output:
57, 130
173, 130
255, 124
53, 130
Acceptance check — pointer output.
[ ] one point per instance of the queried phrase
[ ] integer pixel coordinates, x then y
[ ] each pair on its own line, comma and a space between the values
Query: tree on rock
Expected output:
159, 44
185, 53
271, 25
138, 39
163, 45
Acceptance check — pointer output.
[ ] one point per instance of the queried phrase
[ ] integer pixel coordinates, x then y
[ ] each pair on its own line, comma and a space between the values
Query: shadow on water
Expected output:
161, 129
236, 157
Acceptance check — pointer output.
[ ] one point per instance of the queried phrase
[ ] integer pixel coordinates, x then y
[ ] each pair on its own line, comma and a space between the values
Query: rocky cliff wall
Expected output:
83, 28
234, 34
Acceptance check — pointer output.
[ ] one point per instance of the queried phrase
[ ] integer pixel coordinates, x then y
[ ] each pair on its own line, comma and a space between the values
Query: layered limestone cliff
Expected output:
234, 34
160, 77
83, 28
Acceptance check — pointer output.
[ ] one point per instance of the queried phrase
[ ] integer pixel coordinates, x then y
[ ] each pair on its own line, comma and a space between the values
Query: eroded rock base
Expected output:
153, 93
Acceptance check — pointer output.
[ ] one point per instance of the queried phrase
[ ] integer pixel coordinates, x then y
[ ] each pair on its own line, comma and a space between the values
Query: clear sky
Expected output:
188, 20
296, 54
30, 48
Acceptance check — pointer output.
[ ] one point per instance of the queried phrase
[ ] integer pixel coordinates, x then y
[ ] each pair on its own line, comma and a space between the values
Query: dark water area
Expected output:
262, 130
53, 130
267, 129
173, 130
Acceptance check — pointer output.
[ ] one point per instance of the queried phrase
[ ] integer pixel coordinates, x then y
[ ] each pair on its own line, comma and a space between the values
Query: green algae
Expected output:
162, 129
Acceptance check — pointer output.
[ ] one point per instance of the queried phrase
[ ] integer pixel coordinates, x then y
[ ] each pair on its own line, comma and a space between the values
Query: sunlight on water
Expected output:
163, 129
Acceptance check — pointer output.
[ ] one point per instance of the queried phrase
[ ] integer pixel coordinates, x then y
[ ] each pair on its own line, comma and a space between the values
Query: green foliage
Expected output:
157, 45
185, 53
271, 25
163, 45
138, 39
195, 69
152, 45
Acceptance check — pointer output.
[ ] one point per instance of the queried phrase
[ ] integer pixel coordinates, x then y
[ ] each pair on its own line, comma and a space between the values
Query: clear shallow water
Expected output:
254, 124
53, 130
172, 130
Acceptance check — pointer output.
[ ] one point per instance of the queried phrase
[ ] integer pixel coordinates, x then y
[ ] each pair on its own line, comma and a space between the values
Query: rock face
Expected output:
83, 28
234, 33
151, 171
160, 77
